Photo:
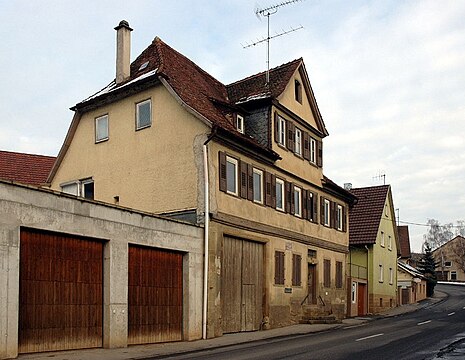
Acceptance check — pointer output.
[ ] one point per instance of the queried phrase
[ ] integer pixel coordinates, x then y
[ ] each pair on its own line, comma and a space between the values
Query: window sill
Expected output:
102, 140
143, 127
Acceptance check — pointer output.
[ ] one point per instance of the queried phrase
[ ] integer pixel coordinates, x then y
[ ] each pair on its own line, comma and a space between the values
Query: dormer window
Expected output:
298, 91
240, 123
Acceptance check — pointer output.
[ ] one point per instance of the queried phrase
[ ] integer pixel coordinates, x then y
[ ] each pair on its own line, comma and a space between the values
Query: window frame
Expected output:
391, 276
339, 215
298, 143
312, 150
240, 123
297, 204
235, 162
382, 240
453, 274
381, 273
258, 172
389, 242
354, 292
281, 131
138, 105
298, 91
327, 211
80, 187
281, 185
448, 263
96, 122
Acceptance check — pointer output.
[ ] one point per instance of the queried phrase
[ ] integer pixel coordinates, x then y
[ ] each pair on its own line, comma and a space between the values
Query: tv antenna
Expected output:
381, 175
268, 11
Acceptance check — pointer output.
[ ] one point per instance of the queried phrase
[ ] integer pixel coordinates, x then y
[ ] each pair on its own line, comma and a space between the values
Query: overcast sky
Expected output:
389, 78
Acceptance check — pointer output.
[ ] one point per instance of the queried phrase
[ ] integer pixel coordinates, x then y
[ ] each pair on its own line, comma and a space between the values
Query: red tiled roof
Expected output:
404, 239
255, 85
365, 216
25, 168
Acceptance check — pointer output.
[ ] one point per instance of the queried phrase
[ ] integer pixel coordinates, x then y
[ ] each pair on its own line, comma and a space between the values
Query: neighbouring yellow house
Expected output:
374, 249
243, 160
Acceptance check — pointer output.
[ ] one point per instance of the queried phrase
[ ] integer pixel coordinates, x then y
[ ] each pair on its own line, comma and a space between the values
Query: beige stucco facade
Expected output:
411, 287
449, 258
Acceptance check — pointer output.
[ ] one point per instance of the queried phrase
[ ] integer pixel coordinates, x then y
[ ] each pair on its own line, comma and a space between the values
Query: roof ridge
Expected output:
263, 72
371, 187
28, 154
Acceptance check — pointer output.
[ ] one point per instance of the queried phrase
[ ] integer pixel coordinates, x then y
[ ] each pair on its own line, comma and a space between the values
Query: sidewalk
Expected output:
165, 349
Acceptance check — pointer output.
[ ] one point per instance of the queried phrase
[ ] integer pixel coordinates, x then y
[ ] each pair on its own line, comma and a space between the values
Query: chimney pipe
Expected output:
123, 51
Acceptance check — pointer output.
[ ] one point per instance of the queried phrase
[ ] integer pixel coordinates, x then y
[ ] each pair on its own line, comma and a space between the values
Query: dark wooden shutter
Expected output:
339, 275
322, 210
296, 270
306, 137
273, 191
222, 161
290, 135
304, 202
327, 273
276, 127
344, 219
332, 216
287, 197
243, 179
319, 159
268, 189
279, 267
291, 198
315, 207
249, 182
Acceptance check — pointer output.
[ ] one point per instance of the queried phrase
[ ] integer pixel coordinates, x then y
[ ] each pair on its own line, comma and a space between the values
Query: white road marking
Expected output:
464, 307
452, 313
424, 322
369, 337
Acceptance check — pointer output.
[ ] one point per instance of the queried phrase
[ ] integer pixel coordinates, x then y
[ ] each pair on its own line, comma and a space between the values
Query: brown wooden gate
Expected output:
154, 295
242, 285
61, 288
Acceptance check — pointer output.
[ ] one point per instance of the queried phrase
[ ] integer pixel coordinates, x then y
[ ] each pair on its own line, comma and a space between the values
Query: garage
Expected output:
61, 292
155, 295
242, 285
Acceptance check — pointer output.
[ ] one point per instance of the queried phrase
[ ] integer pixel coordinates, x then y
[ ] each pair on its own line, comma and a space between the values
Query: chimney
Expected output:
123, 51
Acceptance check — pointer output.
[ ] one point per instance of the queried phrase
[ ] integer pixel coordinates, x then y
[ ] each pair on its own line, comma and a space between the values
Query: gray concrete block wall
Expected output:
22, 206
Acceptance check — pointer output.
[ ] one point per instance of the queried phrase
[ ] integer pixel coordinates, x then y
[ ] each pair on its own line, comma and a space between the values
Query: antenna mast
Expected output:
268, 11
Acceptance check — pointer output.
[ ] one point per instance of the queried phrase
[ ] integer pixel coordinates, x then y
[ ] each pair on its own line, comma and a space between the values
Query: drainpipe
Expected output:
206, 230
368, 279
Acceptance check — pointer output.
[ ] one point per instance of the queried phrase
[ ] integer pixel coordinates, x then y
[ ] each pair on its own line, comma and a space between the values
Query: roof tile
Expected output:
25, 168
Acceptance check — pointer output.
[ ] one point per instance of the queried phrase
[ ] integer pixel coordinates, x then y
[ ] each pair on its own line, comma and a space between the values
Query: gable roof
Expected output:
410, 270
25, 168
404, 240
365, 215
449, 242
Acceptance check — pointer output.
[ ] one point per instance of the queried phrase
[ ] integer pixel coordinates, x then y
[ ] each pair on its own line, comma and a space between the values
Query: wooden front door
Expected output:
61, 292
154, 295
311, 284
242, 285
405, 296
361, 296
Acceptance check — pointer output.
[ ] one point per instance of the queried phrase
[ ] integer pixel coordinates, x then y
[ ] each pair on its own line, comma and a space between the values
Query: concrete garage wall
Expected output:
22, 206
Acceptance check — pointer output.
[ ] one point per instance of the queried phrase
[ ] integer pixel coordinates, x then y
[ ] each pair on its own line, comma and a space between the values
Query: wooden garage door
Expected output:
60, 300
154, 295
242, 285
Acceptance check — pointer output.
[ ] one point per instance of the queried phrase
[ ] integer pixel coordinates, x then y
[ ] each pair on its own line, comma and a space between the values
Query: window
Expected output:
339, 281
240, 123
296, 270
326, 212
382, 238
281, 131
453, 275
327, 273
258, 186
298, 142
298, 91
381, 273
84, 188
143, 114
389, 242
391, 276
279, 267
339, 217
354, 292
279, 194
447, 263
231, 175
386, 210
312, 150
297, 201
311, 253
101, 128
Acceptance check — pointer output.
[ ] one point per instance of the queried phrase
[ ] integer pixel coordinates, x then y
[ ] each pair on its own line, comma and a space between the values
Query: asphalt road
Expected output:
424, 334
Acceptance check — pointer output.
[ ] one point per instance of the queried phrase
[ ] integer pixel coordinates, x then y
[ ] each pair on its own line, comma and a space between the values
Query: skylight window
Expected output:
144, 66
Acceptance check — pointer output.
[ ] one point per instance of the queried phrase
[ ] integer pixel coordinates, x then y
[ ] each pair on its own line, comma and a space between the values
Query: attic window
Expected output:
298, 91
143, 66
240, 123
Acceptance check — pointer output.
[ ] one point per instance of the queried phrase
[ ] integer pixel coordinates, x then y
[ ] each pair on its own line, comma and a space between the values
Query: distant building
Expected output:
450, 259
25, 168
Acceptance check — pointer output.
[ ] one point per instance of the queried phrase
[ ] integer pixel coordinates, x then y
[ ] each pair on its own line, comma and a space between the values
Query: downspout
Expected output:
368, 279
206, 230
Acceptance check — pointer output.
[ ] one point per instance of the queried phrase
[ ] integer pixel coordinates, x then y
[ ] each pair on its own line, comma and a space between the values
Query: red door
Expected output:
361, 295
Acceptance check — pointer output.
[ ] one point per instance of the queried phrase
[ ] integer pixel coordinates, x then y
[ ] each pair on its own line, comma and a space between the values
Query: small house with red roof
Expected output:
24, 168
243, 160
374, 248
